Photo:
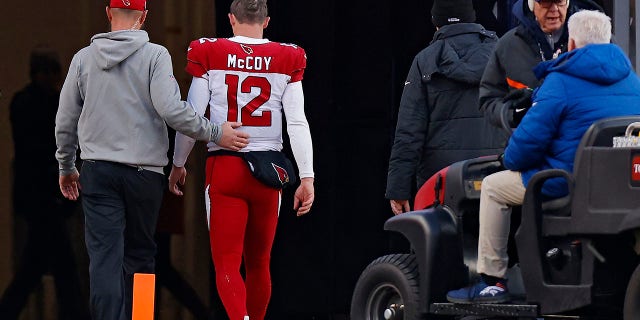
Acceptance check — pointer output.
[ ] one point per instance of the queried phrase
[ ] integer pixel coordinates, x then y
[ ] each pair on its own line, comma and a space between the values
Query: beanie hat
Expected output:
446, 12
138, 5
532, 1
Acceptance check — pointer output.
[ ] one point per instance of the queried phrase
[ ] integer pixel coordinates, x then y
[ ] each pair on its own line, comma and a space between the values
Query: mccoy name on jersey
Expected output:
247, 79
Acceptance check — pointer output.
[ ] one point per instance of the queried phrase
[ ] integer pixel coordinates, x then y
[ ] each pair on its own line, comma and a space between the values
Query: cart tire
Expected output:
632, 297
389, 283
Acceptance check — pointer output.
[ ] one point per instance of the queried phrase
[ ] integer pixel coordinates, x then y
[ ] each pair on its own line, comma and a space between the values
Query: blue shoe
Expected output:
481, 292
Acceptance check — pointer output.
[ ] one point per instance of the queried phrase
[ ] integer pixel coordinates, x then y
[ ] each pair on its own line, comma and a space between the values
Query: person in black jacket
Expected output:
540, 36
439, 121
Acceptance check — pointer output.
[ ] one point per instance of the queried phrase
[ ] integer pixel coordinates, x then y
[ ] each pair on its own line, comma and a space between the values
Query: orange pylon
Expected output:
144, 287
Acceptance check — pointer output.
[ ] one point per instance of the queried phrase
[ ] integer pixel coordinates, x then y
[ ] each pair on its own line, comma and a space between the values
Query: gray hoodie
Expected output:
117, 96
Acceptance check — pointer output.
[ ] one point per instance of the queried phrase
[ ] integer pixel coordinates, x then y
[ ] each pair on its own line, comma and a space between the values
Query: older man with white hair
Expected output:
594, 80
541, 35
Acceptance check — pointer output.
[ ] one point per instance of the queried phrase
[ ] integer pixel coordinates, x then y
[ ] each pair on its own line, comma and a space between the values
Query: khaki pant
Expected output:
500, 191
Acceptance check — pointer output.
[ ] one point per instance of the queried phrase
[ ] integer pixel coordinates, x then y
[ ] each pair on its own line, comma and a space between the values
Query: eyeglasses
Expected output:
548, 3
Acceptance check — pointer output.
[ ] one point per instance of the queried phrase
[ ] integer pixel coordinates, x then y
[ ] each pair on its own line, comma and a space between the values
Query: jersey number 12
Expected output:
247, 118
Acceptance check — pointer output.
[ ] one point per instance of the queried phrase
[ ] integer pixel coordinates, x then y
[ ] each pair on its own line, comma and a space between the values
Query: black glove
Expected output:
520, 100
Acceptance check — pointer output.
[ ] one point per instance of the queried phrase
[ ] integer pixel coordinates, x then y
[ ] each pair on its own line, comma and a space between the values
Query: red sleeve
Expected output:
299, 64
197, 62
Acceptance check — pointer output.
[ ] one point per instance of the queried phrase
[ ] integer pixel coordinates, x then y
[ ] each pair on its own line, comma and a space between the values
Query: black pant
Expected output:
121, 205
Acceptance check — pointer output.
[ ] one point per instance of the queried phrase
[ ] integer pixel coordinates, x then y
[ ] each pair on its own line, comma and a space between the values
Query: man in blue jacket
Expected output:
593, 81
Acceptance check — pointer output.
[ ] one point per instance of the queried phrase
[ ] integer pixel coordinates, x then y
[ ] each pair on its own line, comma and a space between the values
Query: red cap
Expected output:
139, 5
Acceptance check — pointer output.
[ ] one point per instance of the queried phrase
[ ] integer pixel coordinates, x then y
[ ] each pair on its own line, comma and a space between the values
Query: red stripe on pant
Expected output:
244, 214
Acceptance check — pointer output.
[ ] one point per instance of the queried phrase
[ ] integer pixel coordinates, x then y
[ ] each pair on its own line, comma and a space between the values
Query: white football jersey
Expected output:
247, 82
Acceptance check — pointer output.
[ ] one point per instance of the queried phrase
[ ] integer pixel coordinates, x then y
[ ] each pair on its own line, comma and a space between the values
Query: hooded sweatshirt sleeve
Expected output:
165, 95
69, 109
198, 97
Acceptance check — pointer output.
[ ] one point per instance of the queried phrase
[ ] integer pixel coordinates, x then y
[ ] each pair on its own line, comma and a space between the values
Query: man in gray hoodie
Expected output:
116, 102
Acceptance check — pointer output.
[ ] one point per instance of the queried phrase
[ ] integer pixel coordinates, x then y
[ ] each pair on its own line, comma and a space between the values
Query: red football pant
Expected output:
243, 218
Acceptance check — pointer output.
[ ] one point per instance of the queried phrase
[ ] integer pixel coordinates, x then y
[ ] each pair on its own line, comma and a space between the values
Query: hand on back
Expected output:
231, 138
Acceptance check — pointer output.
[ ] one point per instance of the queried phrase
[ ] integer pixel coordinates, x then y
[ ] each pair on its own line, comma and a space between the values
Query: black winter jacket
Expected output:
439, 121
516, 54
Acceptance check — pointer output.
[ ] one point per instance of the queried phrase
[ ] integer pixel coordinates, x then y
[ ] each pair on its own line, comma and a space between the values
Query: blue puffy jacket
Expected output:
580, 87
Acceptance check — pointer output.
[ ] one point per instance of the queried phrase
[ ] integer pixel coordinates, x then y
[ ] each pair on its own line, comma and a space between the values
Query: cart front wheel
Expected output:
387, 290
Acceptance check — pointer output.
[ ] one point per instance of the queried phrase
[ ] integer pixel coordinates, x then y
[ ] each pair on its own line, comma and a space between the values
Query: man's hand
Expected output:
520, 98
303, 198
70, 186
520, 103
177, 175
231, 138
400, 206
